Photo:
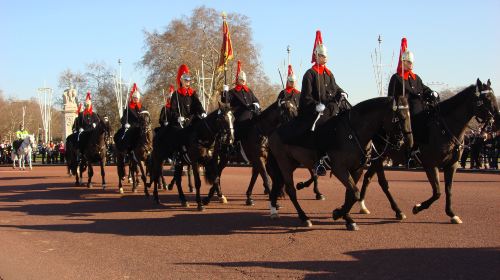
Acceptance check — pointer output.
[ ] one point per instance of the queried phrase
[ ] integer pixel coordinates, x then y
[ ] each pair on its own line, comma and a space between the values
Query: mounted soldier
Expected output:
165, 110
320, 99
87, 119
420, 97
243, 102
290, 93
130, 119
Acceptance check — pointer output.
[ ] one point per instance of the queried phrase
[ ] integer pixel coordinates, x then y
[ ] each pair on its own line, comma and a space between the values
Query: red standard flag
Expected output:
226, 52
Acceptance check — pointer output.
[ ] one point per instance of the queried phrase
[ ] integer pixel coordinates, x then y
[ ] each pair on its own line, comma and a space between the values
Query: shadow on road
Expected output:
420, 263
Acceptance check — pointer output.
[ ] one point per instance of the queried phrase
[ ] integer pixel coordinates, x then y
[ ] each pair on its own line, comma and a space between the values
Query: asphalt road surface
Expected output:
51, 229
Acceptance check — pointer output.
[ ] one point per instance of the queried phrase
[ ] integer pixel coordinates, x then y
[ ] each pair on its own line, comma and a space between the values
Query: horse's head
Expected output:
145, 125
397, 124
486, 109
225, 121
31, 140
288, 110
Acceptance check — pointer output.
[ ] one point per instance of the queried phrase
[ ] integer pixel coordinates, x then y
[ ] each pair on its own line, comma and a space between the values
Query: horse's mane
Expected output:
264, 114
369, 104
453, 102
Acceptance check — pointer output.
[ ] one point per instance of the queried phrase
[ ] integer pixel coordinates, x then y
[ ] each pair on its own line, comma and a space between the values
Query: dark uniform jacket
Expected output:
85, 121
133, 116
241, 101
318, 88
416, 91
290, 95
185, 105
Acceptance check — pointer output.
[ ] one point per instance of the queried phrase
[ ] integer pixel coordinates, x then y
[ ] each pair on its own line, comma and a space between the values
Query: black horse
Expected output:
346, 140
200, 138
137, 145
255, 147
444, 146
87, 148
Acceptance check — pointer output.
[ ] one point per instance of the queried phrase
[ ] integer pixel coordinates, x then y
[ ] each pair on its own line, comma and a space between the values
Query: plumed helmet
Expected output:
88, 99
291, 76
321, 50
242, 76
134, 92
408, 56
183, 74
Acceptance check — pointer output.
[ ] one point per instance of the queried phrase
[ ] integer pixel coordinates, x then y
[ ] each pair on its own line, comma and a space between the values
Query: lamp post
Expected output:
45, 102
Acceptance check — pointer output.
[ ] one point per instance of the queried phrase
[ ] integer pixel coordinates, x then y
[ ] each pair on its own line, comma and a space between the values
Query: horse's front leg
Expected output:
178, 183
249, 201
433, 177
91, 174
350, 198
197, 185
103, 173
449, 172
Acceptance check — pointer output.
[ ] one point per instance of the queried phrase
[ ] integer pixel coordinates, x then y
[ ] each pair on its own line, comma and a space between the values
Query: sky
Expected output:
454, 42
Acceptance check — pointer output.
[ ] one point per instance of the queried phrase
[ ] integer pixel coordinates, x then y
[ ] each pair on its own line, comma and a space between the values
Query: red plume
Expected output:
182, 70
404, 46
79, 108
131, 103
290, 71
171, 89
134, 88
318, 40
238, 70
88, 97
89, 110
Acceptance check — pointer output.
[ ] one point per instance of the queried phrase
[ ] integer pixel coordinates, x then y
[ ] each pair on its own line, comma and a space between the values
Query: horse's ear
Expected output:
488, 83
479, 83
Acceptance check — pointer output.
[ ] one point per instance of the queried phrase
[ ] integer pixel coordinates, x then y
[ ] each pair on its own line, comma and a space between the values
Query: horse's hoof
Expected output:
205, 201
130, 180
266, 191
307, 223
77, 184
103, 186
89, 185
191, 190
223, 200
147, 195
249, 202
170, 187
134, 190
121, 190
400, 216
320, 197
278, 206
336, 214
201, 207
300, 186
185, 204
357, 195
275, 216
352, 227
456, 220
364, 211
415, 209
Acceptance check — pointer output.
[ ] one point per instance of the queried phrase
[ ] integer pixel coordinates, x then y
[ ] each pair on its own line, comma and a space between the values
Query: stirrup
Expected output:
415, 158
319, 168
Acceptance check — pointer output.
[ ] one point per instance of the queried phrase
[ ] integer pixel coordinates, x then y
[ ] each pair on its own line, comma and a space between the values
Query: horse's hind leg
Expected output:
433, 177
103, 174
178, 183
249, 200
189, 177
314, 178
91, 174
197, 185
449, 172
370, 172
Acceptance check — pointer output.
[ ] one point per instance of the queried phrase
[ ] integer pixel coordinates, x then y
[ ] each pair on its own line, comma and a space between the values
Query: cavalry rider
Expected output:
243, 102
419, 95
165, 110
20, 135
87, 119
185, 106
290, 93
130, 117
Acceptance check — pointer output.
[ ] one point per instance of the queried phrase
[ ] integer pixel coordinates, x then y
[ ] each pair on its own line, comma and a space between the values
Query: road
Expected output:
51, 229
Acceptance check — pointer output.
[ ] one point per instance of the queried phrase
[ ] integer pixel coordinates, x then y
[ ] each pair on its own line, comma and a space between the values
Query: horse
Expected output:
255, 147
346, 139
92, 148
444, 147
138, 148
23, 153
201, 137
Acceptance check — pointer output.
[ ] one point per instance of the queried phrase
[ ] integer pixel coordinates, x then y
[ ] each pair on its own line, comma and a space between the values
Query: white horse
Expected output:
24, 152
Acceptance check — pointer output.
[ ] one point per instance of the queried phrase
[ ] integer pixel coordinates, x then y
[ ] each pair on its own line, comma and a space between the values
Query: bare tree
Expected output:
197, 37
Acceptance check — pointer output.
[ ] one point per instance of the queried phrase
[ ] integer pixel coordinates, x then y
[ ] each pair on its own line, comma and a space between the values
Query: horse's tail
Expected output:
211, 171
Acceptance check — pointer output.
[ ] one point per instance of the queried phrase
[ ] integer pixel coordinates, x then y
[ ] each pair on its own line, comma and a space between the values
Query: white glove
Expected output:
127, 125
320, 107
203, 115
165, 123
80, 130
256, 105
225, 88
344, 95
180, 119
434, 94
93, 125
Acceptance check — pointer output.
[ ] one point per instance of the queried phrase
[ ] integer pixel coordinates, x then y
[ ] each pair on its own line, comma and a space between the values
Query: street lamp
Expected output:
45, 102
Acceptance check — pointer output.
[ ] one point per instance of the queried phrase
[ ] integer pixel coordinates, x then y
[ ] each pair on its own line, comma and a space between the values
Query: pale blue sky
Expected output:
454, 42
